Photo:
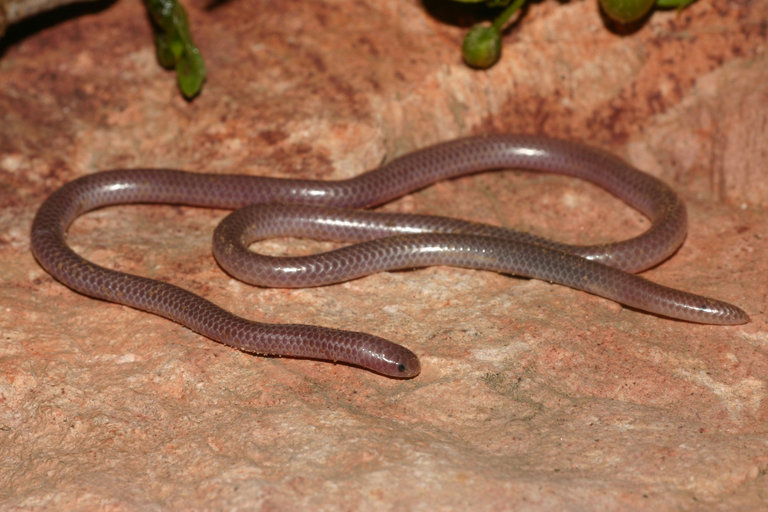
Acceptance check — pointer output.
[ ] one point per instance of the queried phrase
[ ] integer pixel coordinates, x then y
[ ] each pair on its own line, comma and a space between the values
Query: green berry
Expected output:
482, 47
626, 11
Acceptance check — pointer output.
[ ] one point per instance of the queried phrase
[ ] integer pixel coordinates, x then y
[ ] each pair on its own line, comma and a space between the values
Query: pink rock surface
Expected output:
532, 396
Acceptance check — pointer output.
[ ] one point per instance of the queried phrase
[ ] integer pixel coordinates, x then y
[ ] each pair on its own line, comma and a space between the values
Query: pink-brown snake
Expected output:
288, 207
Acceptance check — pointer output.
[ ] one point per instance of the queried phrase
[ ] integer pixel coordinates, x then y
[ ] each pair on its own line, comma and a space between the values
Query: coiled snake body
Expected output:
288, 207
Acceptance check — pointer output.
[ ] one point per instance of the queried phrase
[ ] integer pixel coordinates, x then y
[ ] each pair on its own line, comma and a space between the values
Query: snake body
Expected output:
323, 209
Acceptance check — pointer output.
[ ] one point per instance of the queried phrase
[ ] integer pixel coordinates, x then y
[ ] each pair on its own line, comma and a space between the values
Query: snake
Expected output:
379, 241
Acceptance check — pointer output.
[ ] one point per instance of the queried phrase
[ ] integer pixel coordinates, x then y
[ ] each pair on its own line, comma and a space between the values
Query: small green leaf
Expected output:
190, 72
163, 50
174, 46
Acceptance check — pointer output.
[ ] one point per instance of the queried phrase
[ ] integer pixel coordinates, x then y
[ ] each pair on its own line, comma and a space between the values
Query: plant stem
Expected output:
502, 19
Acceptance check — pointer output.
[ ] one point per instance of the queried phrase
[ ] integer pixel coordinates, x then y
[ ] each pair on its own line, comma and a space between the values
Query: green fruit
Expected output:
482, 47
626, 11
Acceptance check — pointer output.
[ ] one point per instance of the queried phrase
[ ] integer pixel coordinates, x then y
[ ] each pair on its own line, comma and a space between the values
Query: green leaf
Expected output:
174, 46
163, 50
190, 72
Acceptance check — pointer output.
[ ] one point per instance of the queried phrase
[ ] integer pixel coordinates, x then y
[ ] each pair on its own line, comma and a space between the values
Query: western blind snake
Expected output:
307, 208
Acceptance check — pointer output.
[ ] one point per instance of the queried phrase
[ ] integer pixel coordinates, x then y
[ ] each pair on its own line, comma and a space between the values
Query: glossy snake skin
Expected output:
321, 209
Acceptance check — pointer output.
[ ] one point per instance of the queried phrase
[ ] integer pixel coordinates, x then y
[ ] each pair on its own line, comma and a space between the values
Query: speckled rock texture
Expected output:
532, 396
